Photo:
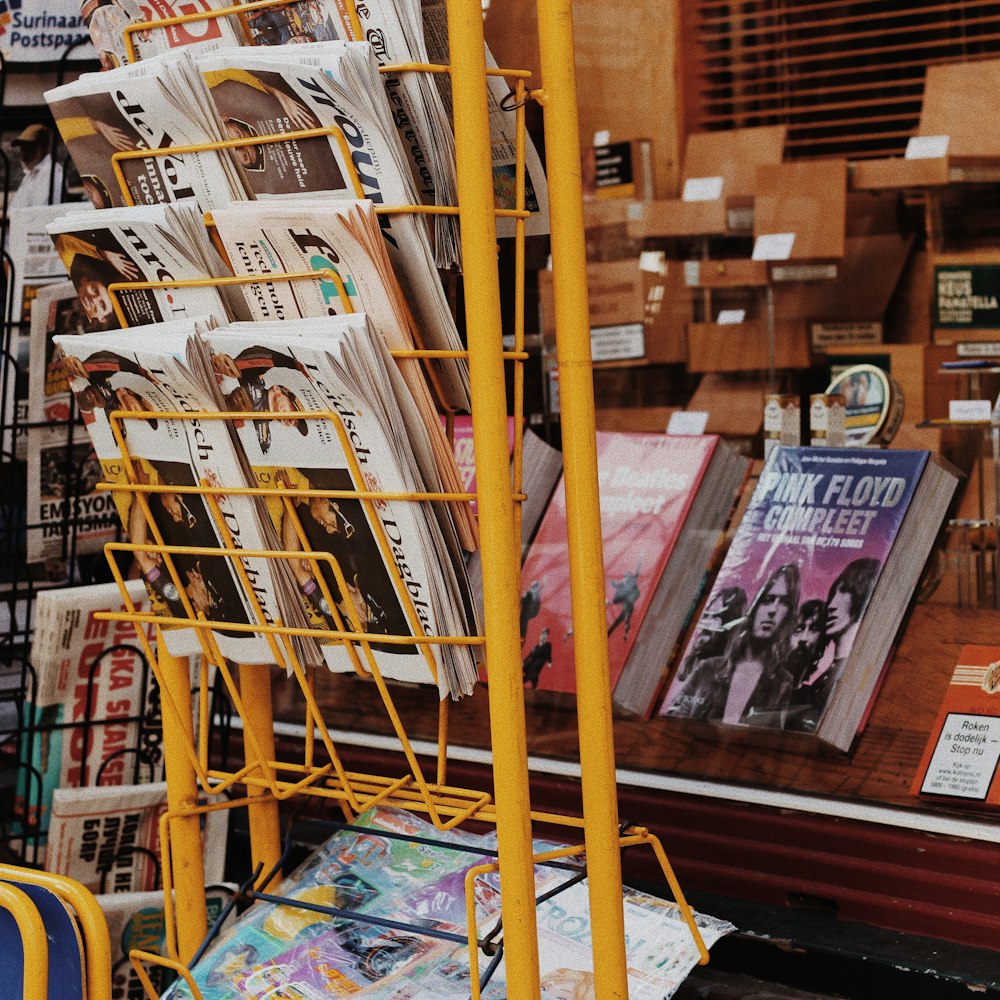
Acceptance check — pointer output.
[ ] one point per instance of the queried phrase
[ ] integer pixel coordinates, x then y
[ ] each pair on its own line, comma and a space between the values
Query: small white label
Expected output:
634, 211
803, 272
773, 246
602, 138
617, 343
971, 410
702, 189
653, 261
926, 147
692, 273
686, 422
832, 334
728, 317
978, 349
965, 758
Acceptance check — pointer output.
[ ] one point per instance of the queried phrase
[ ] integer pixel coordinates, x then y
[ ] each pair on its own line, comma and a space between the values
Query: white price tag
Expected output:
687, 422
702, 189
728, 317
926, 147
773, 246
602, 138
653, 261
971, 410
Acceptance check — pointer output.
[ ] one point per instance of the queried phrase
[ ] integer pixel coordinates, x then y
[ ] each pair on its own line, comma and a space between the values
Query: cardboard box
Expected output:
734, 403
807, 198
866, 279
636, 312
737, 347
725, 273
896, 173
667, 313
673, 217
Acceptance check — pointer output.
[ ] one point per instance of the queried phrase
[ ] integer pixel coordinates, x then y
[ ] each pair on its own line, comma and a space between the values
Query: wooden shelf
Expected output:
879, 771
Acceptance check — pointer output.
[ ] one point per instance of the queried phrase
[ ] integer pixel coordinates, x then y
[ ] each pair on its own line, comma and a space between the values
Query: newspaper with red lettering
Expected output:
108, 839
94, 707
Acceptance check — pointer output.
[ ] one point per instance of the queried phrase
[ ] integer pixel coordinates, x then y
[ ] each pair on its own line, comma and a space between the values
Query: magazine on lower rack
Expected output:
378, 868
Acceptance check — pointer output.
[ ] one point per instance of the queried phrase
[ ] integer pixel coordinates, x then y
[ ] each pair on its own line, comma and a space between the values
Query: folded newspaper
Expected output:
338, 365
154, 370
378, 869
401, 33
94, 706
108, 839
167, 244
157, 104
266, 238
140, 244
34, 266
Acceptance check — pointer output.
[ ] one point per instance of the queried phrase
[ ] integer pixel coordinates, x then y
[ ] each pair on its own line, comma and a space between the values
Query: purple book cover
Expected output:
780, 621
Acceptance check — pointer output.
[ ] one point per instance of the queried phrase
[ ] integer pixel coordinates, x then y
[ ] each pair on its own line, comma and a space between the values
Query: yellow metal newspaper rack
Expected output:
197, 783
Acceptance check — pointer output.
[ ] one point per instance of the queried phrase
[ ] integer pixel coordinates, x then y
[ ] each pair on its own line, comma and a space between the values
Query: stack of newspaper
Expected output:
140, 244
384, 567
415, 109
149, 106
167, 243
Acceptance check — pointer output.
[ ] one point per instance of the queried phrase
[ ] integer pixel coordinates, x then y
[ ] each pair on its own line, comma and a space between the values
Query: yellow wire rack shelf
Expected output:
198, 783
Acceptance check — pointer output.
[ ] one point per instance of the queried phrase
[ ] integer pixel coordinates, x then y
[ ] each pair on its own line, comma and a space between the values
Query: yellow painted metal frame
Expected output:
194, 785
84, 908
34, 944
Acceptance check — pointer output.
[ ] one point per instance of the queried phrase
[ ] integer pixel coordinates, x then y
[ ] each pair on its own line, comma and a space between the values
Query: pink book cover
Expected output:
465, 454
647, 484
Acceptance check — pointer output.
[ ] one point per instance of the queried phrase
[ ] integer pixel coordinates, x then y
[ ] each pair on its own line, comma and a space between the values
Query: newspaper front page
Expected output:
150, 371
267, 369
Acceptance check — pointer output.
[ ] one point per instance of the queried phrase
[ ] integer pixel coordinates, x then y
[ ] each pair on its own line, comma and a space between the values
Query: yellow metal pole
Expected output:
501, 572
188, 866
34, 943
258, 716
586, 563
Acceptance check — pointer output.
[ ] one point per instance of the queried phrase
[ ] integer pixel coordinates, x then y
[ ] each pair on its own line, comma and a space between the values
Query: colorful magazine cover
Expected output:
421, 883
321, 955
792, 592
